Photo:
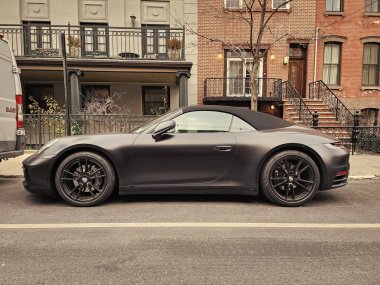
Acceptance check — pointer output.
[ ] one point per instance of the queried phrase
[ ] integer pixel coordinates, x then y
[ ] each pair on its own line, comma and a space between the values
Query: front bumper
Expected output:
37, 175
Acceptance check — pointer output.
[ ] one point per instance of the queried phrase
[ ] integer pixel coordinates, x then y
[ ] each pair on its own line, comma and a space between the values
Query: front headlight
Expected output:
335, 145
46, 146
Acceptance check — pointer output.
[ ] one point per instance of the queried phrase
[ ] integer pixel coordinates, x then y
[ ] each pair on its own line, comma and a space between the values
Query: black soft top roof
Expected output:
260, 121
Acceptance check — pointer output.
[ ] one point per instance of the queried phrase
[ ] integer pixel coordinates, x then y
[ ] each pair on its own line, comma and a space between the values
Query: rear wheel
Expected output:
84, 179
290, 178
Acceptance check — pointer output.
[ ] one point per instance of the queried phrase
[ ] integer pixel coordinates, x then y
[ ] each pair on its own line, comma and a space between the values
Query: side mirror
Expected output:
162, 128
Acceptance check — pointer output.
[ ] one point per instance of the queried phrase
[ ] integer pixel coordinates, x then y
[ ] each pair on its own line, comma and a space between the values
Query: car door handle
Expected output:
223, 148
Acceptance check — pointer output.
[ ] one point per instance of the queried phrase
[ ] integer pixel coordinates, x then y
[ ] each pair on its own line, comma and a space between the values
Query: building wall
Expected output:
215, 22
117, 13
353, 25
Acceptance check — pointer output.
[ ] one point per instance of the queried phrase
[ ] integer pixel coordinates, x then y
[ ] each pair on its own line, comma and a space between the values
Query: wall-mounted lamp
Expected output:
272, 106
220, 56
286, 60
272, 56
133, 19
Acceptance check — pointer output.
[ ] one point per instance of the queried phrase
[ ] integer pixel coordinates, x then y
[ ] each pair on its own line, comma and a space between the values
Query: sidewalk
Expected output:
363, 166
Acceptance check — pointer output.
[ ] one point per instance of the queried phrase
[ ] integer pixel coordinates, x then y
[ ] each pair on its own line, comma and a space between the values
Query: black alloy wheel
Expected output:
290, 178
84, 179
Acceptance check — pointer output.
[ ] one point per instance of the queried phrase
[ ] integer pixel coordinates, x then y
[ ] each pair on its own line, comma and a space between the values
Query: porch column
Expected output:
181, 79
75, 90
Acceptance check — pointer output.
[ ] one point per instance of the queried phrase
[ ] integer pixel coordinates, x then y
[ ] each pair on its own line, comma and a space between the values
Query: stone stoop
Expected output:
326, 117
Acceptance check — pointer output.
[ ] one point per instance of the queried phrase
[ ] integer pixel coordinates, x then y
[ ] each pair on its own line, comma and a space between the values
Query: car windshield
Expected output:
150, 124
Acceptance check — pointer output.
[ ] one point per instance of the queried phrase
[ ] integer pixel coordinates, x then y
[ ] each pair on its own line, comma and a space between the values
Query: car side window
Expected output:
238, 125
203, 122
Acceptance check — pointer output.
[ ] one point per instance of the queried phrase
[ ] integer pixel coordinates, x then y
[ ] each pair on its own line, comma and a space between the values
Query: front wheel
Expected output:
290, 178
84, 179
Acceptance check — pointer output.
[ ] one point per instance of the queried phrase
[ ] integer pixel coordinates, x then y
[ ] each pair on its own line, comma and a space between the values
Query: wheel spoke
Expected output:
299, 184
75, 188
294, 193
96, 188
279, 184
305, 181
95, 171
69, 179
287, 192
298, 165
303, 169
68, 172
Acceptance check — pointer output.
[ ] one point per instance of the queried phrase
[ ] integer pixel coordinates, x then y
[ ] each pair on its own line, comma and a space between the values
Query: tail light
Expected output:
19, 114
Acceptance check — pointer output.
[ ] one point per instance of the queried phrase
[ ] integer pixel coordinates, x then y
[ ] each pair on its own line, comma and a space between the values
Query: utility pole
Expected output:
65, 84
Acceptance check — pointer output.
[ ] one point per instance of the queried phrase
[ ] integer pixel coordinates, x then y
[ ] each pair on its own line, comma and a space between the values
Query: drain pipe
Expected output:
315, 53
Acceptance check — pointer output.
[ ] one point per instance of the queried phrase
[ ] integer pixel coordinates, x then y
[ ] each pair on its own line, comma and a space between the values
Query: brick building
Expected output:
292, 57
349, 53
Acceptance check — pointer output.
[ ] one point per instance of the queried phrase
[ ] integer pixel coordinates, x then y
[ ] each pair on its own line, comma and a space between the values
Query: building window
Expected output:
239, 74
277, 3
371, 64
37, 93
233, 4
369, 117
156, 100
94, 98
94, 38
372, 6
38, 39
334, 6
331, 63
154, 41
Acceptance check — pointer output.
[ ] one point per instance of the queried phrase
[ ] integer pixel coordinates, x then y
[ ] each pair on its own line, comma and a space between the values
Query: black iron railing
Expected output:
41, 128
291, 94
267, 88
96, 41
319, 90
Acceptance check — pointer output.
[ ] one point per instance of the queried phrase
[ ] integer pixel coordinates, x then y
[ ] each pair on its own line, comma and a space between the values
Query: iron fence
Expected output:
96, 41
358, 139
267, 88
41, 128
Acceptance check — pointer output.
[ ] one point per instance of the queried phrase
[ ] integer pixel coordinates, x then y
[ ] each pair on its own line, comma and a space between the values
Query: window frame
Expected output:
144, 102
233, 8
95, 39
335, 11
154, 31
339, 79
377, 83
38, 28
367, 5
286, 7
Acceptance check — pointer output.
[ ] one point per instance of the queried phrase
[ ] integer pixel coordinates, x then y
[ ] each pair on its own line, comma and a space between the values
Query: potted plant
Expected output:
74, 46
174, 48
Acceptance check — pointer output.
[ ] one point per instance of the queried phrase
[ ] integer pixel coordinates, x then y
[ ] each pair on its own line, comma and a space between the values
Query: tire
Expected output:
290, 178
84, 179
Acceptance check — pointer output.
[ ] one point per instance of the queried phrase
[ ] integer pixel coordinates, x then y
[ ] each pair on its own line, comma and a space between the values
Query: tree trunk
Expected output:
253, 83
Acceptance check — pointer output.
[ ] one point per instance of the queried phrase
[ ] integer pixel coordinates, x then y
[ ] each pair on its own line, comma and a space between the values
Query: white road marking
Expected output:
192, 225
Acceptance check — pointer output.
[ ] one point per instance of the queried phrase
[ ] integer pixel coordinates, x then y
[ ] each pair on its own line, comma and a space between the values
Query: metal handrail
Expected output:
320, 90
291, 94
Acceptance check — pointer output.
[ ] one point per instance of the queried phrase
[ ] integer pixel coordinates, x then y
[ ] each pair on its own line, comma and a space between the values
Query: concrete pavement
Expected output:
363, 166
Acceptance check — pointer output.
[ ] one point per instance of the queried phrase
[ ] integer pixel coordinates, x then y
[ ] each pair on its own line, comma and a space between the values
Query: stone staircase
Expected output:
325, 117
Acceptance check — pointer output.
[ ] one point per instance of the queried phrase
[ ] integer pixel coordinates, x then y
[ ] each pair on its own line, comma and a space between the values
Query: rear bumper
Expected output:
10, 154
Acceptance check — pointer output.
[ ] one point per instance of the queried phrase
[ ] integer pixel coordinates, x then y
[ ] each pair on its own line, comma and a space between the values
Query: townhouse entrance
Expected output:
297, 67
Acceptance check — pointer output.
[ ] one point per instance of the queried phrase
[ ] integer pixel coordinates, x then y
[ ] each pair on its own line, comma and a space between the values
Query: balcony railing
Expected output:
239, 87
96, 41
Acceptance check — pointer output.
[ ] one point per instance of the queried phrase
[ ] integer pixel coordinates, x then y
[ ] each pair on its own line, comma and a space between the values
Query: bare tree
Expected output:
256, 15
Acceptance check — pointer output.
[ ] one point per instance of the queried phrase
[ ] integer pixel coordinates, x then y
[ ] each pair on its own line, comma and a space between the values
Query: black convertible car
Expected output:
198, 149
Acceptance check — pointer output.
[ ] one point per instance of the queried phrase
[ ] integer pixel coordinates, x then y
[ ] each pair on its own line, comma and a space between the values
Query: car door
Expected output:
199, 150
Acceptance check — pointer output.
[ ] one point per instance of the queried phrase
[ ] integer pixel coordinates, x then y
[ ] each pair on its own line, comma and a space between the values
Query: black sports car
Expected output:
198, 149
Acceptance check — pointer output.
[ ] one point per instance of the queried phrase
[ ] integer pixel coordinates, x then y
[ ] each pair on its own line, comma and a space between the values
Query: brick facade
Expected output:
352, 26
216, 22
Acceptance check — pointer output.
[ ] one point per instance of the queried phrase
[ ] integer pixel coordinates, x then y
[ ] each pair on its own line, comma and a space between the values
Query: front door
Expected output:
297, 75
297, 68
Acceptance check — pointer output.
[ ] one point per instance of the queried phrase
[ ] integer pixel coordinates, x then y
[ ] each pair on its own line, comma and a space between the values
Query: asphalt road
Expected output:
194, 240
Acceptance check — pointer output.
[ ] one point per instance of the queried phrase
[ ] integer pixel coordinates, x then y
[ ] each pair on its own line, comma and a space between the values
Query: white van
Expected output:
12, 133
